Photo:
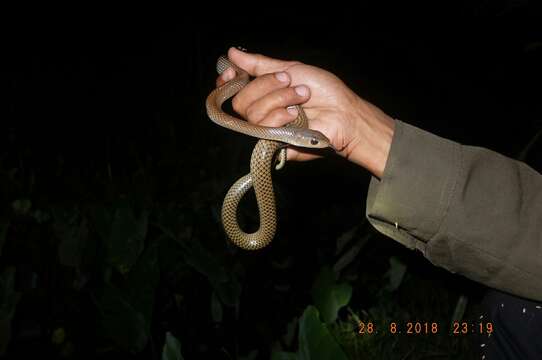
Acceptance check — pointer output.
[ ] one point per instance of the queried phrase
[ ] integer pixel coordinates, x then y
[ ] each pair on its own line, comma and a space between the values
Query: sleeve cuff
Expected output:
411, 199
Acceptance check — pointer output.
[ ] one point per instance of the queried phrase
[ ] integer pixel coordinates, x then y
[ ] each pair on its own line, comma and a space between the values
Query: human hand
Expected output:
357, 129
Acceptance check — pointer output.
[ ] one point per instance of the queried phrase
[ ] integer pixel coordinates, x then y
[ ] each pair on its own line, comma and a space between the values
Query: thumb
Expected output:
256, 64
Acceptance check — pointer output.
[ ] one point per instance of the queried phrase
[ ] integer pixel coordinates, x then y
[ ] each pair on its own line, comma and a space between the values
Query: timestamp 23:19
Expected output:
419, 328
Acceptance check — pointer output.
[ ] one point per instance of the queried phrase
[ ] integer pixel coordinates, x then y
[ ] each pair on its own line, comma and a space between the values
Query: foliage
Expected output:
172, 348
139, 272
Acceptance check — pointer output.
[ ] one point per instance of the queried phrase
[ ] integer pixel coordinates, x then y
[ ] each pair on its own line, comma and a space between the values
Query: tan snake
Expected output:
272, 140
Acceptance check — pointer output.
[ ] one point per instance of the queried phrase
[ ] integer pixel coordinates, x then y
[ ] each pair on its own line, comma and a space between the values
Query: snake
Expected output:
270, 148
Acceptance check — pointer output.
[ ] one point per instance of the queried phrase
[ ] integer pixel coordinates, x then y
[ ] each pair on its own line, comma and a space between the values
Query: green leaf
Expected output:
4, 226
395, 274
127, 238
460, 308
345, 238
283, 264
141, 283
201, 260
123, 233
328, 296
8, 301
315, 340
102, 218
533, 45
58, 336
21, 206
351, 254
288, 338
121, 322
172, 348
253, 355
72, 231
229, 291
226, 285
522, 156
40, 216
283, 355
216, 308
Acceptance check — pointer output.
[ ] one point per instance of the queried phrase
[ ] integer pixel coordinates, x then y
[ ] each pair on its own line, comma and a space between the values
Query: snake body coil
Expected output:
272, 140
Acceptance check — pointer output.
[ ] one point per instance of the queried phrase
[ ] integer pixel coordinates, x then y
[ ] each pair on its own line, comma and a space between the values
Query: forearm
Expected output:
467, 209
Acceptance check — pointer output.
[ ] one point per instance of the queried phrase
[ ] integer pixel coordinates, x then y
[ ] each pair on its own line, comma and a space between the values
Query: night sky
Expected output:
78, 87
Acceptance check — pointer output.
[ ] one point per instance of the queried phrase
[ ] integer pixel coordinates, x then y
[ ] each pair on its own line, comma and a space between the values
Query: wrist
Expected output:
371, 138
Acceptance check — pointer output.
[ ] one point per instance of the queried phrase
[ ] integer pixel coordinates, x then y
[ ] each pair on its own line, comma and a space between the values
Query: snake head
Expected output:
312, 139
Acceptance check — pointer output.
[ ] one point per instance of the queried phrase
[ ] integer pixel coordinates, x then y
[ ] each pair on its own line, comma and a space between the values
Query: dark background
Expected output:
100, 115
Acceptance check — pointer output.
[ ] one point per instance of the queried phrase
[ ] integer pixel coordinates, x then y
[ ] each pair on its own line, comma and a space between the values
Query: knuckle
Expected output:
277, 118
280, 97
268, 81
294, 63
237, 104
276, 122
286, 96
253, 114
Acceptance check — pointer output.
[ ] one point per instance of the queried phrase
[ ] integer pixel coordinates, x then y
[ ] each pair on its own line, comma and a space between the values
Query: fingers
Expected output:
226, 76
276, 108
256, 64
258, 88
267, 100
264, 100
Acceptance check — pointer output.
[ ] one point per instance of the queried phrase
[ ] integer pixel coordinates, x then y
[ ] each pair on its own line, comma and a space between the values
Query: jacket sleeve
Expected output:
468, 209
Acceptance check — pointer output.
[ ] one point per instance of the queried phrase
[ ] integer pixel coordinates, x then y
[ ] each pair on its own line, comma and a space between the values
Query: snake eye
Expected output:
314, 142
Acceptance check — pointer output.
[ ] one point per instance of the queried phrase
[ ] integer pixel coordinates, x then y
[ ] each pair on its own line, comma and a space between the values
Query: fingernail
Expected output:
301, 90
292, 110
281, 76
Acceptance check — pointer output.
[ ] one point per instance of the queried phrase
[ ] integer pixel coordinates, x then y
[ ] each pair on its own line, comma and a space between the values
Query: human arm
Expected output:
467, 209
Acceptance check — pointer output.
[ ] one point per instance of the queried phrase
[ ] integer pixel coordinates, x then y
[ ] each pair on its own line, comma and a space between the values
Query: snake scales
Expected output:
271, 140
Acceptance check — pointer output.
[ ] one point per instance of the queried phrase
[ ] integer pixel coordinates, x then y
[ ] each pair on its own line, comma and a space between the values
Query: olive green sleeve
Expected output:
467, 209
